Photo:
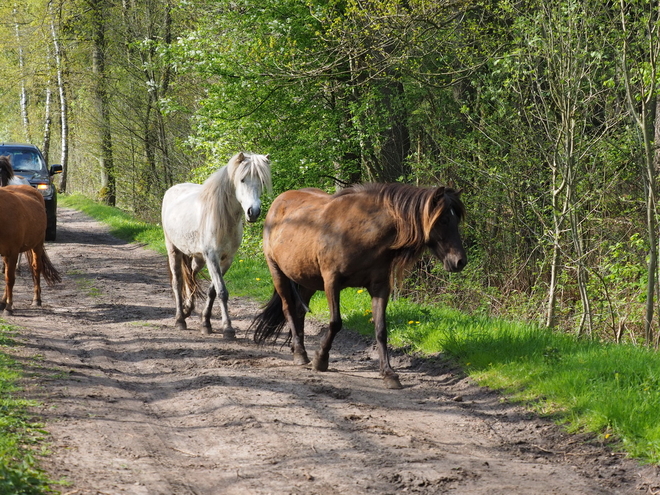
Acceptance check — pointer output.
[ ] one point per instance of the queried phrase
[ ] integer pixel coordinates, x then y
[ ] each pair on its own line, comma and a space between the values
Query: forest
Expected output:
544, 114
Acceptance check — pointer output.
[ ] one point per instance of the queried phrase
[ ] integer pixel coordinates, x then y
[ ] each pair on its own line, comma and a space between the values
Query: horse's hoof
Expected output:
8, 312
181, 325
392, 382
300, 359
229, 334
206, 330
36, 303
320, 364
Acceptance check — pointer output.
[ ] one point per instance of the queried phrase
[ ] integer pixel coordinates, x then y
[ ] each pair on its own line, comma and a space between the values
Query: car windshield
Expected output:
27, 161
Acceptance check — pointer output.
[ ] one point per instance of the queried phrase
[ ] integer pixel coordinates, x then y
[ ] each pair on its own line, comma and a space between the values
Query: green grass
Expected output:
19, 435
122, 225
611, 390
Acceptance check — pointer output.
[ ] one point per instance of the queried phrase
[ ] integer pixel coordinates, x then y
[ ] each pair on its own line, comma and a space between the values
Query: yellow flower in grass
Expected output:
360, 291
257, 278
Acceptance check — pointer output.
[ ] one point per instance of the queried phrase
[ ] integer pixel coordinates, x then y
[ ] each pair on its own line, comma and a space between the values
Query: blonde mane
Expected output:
221, 208
415, 212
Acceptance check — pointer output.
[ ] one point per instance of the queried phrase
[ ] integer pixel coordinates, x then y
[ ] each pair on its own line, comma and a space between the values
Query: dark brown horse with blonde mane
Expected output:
23, 229
359, 237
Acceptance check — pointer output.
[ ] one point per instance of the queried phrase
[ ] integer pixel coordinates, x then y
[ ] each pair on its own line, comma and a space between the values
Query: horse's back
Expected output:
27, 199
179, 194
309, 234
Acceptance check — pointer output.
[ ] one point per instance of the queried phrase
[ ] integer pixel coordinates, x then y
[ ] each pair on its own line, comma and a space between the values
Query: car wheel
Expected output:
51, 232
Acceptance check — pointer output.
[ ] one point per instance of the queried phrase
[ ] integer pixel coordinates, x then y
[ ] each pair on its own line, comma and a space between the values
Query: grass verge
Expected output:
610, 390
19, 435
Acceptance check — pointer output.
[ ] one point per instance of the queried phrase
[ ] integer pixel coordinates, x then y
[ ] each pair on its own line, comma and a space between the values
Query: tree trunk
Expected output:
108, 178
21, 65
64, 107
651, 221
48, 120
642, 106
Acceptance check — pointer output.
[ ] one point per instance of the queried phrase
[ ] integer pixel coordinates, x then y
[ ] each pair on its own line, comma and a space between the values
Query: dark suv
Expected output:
28, 163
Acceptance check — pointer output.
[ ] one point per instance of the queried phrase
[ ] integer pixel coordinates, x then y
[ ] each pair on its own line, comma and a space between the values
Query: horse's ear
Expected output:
268, 156
240, 157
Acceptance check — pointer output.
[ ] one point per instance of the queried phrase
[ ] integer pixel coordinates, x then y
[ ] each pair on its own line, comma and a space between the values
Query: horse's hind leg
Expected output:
208, 309
193, 265
174, 258
10, 278
34, 260
302, 297
294, 312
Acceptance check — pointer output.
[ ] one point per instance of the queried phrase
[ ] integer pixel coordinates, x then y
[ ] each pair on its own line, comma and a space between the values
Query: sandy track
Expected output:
135, 407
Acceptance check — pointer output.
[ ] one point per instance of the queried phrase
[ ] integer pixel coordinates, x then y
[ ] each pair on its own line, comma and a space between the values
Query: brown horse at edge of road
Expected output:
23, 229
362, 236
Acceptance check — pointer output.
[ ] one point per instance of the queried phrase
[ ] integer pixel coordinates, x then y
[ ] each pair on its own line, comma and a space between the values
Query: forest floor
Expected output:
133, 406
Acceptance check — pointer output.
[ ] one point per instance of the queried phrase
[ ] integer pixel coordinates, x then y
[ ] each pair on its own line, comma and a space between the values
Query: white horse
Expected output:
203, 224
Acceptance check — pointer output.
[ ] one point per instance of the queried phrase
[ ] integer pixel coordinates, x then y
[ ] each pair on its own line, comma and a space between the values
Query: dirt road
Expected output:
135, 407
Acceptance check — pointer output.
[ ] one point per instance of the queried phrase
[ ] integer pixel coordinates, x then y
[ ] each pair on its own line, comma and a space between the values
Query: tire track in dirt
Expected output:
135, 407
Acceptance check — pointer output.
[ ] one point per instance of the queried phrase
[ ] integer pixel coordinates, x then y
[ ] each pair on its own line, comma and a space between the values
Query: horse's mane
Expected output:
415, 211
219, 192
6, 172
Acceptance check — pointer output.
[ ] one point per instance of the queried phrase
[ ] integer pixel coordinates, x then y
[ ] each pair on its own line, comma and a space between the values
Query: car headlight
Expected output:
45, 189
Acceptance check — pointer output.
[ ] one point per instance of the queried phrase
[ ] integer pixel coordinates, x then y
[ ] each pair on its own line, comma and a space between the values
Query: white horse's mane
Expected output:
218, 195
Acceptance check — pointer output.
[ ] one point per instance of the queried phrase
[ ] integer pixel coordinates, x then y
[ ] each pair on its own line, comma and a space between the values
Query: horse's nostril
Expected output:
253, 213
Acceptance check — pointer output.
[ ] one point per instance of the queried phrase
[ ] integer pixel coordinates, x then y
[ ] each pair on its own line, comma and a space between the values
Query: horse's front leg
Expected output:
322, 358
378, 308
218, 288
10, 279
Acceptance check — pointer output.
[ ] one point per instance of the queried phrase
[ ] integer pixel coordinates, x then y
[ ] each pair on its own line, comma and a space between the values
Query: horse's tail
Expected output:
271, 321
49, 272
191, 286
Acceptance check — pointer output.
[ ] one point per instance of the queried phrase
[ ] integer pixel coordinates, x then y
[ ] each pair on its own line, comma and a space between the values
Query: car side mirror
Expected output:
55, 169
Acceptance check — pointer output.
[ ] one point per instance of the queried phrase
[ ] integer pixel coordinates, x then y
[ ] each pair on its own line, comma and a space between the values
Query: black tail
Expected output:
271, 321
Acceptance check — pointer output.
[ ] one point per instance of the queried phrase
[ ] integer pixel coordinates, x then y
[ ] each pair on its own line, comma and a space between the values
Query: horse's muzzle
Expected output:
253, 213
455, 263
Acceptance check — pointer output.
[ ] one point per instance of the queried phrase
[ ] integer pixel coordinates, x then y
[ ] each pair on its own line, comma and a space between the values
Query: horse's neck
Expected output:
226, 217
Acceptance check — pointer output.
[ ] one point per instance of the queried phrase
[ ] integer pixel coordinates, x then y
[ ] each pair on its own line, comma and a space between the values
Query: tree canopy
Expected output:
543, 113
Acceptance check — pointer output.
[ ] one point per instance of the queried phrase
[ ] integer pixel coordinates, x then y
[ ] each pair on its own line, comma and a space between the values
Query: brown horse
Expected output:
6, 171
360, 237
23, 229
